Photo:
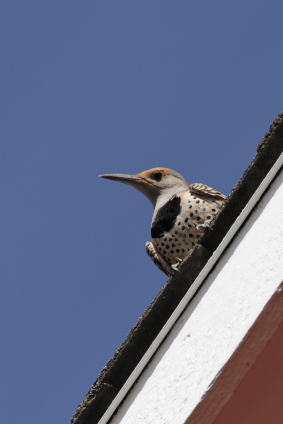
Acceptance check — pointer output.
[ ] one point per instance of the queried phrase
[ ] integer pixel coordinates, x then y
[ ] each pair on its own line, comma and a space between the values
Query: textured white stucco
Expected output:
214, 323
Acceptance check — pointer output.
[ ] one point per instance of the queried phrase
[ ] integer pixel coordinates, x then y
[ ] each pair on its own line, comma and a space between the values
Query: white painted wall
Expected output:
214, 323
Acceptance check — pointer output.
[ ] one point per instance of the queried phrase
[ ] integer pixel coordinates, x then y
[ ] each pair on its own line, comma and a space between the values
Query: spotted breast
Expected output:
181, 221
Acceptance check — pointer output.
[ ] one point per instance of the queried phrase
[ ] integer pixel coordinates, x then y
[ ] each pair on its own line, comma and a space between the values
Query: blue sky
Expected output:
93, 87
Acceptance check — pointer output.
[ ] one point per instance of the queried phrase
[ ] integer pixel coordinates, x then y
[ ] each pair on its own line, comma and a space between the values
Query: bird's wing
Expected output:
204, 189
155, 256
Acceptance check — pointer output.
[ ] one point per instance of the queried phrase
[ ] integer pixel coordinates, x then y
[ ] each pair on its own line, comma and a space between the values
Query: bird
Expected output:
181, 213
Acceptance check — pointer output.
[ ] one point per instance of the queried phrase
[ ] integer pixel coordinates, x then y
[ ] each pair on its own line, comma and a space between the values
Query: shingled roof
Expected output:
141, 337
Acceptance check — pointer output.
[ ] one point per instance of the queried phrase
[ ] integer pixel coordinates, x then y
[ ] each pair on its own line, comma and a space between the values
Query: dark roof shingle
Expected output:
119, 368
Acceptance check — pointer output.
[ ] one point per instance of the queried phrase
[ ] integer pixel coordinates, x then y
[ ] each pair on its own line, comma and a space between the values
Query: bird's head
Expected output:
154, 183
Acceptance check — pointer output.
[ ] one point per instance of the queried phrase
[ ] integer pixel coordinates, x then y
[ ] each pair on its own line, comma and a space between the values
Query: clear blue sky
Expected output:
93, 87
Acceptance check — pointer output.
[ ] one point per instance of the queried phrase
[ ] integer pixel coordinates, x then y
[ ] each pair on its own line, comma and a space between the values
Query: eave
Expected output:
122, 371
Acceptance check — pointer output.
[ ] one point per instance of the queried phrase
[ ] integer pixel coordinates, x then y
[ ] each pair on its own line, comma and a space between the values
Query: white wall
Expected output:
214, 323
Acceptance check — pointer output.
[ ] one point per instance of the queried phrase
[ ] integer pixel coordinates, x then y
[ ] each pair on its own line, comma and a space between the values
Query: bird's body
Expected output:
180, 222
181, 213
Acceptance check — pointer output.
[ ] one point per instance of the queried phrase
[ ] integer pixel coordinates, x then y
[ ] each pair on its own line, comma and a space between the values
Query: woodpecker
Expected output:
182, 211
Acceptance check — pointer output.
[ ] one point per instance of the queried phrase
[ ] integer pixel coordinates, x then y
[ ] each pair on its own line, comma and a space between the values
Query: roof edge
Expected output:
129, 360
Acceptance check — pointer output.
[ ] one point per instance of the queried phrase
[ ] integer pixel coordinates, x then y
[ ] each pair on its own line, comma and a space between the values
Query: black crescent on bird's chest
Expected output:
166, 217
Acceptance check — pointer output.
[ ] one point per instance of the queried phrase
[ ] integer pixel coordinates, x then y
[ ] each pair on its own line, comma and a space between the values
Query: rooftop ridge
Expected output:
119, 368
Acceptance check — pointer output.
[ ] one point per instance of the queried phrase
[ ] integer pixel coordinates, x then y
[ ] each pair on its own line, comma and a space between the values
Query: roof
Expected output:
116, 373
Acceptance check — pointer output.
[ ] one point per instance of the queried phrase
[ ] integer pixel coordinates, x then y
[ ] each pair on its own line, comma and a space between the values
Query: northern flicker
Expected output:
182, 211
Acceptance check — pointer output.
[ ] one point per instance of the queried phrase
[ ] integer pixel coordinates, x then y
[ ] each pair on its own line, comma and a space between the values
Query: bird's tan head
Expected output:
153, 183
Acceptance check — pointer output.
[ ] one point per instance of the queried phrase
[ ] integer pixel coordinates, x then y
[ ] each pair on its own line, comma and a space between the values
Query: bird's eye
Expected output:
157, 175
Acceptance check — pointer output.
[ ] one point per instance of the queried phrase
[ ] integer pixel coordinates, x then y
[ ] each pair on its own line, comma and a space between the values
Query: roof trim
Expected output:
122, 371
192, 290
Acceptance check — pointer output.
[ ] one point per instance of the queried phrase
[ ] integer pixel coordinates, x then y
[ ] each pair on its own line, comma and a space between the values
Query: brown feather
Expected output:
199, 188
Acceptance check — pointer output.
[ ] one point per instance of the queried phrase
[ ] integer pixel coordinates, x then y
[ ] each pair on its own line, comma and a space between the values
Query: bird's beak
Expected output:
122, 178
135, 181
